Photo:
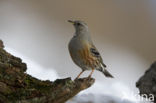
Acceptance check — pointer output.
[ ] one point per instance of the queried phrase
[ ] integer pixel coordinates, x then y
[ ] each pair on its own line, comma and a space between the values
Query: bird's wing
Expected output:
94, 52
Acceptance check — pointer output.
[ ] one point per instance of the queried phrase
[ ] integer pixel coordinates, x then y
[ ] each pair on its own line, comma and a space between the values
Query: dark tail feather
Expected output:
107, 74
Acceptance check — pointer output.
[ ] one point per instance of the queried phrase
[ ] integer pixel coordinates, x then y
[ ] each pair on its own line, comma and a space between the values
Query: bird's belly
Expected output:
77, 60
83, 59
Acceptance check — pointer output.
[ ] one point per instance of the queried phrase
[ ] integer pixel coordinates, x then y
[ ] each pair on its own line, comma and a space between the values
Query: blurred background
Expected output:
122, 30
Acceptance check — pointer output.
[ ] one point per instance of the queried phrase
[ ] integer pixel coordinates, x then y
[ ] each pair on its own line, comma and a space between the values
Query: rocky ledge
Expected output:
16, 86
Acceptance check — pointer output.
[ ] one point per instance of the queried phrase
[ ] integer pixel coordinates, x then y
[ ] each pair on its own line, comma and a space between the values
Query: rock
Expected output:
16, 86
1, 44
147, 83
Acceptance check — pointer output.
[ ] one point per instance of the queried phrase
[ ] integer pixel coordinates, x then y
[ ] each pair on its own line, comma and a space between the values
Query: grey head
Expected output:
80, 26
81, 30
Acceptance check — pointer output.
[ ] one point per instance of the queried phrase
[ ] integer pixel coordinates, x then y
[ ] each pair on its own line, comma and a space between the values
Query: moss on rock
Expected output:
16, 86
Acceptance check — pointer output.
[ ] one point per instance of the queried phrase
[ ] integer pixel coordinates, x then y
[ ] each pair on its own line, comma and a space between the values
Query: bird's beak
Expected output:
71, 21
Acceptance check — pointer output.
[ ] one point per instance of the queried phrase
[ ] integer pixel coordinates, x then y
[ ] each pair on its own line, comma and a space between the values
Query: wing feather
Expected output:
96, 54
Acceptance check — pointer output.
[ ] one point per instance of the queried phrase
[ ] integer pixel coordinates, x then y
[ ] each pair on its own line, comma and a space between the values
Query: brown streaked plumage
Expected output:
87, 57
83, 52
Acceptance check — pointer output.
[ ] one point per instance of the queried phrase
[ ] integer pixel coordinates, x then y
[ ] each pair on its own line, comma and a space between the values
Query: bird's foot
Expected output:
89, 77
76, 79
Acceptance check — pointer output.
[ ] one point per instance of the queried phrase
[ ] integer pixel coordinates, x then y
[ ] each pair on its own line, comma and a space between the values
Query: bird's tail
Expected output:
106, 73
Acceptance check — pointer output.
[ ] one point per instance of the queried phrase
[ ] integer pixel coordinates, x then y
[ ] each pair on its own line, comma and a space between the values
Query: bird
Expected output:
83, 52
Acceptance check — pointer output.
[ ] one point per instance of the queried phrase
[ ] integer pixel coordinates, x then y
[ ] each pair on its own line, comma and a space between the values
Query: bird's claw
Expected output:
89, 77
75, 79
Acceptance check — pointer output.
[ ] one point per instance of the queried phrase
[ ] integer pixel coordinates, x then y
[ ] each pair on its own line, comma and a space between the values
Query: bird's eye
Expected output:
78, 24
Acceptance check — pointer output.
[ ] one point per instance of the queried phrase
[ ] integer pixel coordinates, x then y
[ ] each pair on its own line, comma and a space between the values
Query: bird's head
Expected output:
80, 26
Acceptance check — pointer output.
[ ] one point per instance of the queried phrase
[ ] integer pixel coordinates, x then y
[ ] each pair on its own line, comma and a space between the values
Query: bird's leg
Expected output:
79, 74
91, 73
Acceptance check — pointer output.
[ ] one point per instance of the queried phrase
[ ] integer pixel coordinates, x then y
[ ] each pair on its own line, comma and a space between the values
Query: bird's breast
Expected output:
80, 54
